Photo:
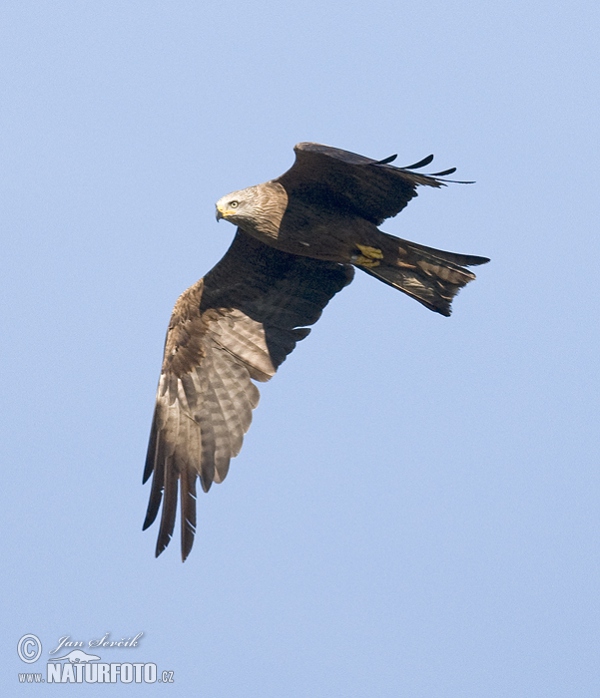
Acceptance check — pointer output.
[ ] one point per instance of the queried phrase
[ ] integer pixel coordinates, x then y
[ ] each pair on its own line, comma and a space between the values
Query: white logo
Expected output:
79, 666
76, 657
29, 648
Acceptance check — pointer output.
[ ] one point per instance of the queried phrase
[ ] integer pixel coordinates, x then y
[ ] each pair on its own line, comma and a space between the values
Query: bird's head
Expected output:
237, 206
257, 210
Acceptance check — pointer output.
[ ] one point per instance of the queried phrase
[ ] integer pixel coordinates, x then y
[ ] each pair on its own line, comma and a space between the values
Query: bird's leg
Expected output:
368, 256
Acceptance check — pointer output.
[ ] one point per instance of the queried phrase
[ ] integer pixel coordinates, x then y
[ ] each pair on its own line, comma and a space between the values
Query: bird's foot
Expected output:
369, 256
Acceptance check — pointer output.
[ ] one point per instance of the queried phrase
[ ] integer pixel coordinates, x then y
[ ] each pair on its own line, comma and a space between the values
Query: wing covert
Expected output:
374, 189
237, 324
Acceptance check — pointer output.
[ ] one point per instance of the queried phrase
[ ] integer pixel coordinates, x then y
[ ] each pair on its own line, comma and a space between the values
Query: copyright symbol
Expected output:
29, 648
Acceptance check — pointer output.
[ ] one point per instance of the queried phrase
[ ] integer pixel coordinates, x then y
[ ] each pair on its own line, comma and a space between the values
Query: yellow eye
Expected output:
233, 204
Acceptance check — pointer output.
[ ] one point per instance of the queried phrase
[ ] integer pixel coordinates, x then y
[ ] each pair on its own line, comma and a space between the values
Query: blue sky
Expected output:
415, 509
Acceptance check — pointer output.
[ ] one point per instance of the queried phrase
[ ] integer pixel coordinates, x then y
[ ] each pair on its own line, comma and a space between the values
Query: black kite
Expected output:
298, 240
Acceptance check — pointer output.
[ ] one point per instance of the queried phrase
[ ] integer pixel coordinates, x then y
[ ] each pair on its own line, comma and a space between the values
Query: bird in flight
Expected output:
299, 238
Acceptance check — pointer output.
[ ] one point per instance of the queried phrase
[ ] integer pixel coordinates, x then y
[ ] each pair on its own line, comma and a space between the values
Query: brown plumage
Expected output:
298, 238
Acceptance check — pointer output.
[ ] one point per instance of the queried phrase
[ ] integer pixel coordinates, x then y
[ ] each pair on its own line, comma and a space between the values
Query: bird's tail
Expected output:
432, 277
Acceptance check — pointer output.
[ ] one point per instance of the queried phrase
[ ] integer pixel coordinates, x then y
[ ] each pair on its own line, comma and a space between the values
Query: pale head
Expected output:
238, 205
257, 209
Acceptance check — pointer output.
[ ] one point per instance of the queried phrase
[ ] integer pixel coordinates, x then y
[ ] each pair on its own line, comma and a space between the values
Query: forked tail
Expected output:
432, 277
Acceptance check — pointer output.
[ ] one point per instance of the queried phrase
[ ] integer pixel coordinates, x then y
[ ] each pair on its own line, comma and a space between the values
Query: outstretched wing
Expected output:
373, 189
238, 323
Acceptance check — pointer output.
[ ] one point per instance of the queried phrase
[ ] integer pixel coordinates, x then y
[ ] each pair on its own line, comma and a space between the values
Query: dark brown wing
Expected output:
373, 189
238, 323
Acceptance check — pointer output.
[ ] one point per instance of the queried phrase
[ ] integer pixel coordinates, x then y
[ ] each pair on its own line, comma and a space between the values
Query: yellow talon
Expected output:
369, 256
370, 252
366, 262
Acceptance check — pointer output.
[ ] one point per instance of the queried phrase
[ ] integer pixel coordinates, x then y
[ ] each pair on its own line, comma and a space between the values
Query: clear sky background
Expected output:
416, 509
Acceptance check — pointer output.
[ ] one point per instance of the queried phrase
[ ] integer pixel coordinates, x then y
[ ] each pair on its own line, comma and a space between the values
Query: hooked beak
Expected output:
219, 214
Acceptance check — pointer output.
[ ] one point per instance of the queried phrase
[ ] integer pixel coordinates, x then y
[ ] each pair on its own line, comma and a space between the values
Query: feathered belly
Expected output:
331, 238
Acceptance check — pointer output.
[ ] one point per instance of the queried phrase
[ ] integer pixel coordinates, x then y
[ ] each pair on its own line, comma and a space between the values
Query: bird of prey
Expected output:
298, 239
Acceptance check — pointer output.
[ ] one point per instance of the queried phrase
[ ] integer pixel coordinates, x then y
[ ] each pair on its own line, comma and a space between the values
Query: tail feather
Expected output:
464, 260
432, 277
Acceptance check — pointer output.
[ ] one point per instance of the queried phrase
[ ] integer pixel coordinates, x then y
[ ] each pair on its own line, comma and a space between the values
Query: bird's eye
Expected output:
233, 204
